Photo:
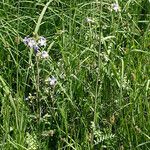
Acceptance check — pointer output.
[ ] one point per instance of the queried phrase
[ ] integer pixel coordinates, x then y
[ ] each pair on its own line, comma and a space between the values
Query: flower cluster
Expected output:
35, 44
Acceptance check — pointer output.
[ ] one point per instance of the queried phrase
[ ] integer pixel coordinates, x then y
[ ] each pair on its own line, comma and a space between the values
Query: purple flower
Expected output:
44, 54
42, 41
31, 42
36, 48
26, 40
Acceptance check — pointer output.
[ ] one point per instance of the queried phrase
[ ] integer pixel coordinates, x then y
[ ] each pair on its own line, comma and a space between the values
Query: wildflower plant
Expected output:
37, 45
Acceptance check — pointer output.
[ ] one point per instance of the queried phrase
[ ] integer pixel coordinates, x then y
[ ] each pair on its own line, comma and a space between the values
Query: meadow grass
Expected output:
100, 59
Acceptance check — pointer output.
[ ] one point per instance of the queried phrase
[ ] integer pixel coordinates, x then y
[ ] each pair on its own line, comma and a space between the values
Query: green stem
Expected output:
38, 88
99, 66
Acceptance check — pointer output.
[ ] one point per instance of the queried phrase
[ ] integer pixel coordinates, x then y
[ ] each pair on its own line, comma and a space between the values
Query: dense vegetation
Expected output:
87, 87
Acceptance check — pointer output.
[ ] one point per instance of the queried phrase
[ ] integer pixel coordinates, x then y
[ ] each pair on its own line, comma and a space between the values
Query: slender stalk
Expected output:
17, 49
99, 66
38, 88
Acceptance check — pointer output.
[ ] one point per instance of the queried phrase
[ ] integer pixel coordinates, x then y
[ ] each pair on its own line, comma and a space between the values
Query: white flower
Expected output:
89, 20
115, 7
31, 42
42, 41
44, 54
52, 81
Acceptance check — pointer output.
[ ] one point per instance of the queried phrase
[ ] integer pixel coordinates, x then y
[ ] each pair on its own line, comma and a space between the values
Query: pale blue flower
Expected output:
44, 54
36, 48
42, 41
26, 40
31, 42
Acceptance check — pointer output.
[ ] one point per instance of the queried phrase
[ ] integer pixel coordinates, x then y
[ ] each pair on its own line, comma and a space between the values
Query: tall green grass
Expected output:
102, 96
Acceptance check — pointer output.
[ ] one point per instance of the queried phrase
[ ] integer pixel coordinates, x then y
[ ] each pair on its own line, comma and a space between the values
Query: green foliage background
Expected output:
102, 96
